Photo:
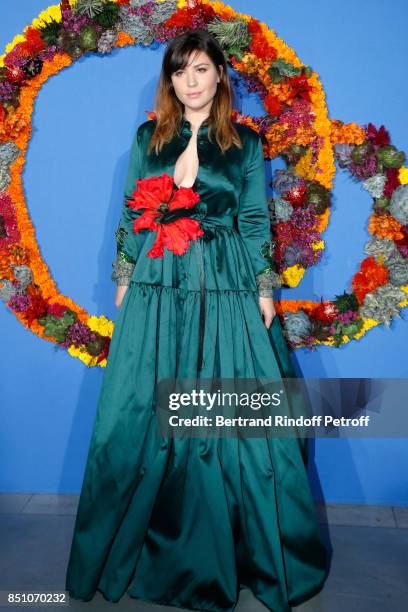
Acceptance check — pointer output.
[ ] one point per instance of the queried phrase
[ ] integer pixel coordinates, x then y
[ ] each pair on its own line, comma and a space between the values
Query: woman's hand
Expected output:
120, 294
267, 308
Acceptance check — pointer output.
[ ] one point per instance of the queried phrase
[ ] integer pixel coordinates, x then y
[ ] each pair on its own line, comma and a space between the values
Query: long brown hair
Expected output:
169, 109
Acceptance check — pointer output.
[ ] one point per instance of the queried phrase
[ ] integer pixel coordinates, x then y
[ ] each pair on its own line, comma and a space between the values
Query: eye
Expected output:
180, 72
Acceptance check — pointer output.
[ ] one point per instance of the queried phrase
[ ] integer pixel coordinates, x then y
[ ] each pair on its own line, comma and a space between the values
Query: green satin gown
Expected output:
189, 522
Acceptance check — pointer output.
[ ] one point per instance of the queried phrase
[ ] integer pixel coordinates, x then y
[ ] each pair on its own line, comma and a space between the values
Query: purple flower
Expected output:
20, 303
366, 169
49, 52
253, 85
78, 334
299, 115
7, 91
300, 254
145, 10
76, 22
348, 316
403, 249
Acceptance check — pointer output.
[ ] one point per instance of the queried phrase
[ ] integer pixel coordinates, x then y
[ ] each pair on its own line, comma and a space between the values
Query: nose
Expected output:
191, 80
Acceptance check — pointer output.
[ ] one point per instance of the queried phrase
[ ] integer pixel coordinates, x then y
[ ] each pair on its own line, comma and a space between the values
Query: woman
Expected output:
187, 522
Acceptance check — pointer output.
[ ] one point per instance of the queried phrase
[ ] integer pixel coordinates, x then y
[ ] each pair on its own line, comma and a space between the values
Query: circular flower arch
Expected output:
295, 126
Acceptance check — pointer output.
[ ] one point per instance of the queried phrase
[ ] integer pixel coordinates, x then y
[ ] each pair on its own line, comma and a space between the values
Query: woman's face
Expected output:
199, 77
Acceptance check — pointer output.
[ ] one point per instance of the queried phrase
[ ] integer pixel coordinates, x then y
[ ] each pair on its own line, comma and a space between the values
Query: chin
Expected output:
197, 103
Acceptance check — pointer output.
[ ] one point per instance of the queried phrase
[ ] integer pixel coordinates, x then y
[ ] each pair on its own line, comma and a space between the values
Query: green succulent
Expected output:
50, 31
89, 7
390, 157
360, 152
280, 69
232, 35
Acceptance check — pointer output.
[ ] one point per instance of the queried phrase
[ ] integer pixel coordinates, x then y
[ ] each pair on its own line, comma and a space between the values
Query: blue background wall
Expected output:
83, 125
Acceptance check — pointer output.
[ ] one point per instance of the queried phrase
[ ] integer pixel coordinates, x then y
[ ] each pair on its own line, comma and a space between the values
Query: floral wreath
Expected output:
295, 126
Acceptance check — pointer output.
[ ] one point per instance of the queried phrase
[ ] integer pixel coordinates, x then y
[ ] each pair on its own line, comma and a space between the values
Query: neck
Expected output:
196, 122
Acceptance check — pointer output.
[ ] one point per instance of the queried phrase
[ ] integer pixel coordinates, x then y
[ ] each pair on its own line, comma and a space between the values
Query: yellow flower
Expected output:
17, 39
328, 342
403, 175
318, 245
101, 324
405, 290
367, 324
51, 13
293, 275
304, 166
85, 357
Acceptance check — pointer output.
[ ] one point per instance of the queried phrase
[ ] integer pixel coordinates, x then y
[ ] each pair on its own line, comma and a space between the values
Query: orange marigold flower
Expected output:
371, 276
350, 133
385, 226
124, 39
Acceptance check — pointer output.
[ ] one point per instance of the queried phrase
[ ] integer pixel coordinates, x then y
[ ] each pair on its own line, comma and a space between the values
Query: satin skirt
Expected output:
188, 522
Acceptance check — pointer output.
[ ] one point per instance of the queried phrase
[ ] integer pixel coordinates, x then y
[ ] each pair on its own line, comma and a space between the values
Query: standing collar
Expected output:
186, 127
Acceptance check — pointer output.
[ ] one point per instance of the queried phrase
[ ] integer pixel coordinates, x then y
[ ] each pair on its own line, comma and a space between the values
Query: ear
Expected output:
220, 67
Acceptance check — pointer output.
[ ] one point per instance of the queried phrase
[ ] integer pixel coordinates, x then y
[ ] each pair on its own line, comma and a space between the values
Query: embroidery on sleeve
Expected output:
124, 264
268, 279
122, 270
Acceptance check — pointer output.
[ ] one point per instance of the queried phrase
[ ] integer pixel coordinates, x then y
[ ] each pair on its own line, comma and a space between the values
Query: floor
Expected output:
369, 571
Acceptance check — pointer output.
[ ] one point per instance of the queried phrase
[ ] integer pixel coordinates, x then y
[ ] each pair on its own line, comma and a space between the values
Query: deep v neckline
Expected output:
187, 133
183, 186
198, 168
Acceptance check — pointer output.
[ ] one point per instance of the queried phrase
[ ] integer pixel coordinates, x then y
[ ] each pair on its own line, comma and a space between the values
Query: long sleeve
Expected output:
254, 222
128, 243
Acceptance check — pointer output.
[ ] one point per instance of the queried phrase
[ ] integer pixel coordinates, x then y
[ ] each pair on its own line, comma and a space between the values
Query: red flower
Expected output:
403, 242
187, 17
65, 6
260, 46
37, 308
296, 195
166, 211
57, 310
326, 312
254, 26
392, 181
105, 349
300, 87
379, 137
35, 43
272, 105
15, 74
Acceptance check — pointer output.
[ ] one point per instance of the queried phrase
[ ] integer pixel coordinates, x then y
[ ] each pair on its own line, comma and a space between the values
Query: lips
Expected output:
194, 95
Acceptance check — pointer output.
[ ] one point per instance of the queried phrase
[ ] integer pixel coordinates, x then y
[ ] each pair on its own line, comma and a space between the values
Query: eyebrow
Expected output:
196, 65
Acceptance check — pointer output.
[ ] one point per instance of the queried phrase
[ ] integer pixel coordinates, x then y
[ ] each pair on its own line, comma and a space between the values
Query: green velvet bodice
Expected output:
232, 193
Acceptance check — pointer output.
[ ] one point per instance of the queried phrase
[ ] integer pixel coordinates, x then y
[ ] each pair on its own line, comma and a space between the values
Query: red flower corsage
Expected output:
166, 211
